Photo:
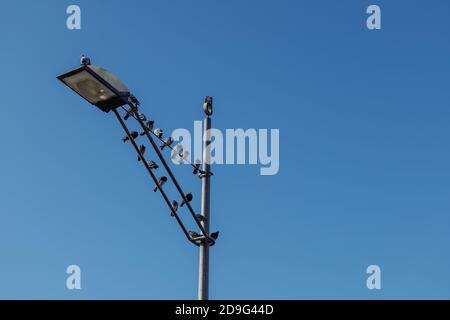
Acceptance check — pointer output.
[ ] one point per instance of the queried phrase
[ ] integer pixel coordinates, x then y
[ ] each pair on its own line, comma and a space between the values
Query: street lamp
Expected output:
98, 86
102, 89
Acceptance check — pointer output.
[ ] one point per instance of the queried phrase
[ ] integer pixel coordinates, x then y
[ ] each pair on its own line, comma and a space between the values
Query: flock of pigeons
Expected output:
177, 151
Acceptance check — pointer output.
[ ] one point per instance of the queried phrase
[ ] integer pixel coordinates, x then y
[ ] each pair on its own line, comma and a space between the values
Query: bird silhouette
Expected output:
129, 113
161, 182
193, 234
207, 106
177, 151
85, 61
189, 198
184, 157
158, 132
174, 207
201, 218
166, 143
196, 167
133, 135
214, 235
152, 165
148, 127
142, 151
133, 100
142, 117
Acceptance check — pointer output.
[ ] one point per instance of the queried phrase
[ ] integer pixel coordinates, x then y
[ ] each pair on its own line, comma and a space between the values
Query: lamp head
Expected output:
97, 85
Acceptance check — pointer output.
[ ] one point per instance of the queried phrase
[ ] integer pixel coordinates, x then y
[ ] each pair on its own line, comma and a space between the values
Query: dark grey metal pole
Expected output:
203, 272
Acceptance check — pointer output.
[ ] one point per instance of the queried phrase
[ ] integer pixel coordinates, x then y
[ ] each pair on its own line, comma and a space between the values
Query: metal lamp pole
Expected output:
203, 270
91, 83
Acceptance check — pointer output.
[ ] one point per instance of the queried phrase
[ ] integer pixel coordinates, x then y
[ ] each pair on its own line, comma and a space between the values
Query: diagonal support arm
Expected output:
155, 179
174, 180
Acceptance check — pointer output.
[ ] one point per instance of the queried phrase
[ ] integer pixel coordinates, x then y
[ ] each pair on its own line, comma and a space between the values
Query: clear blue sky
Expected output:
365, 138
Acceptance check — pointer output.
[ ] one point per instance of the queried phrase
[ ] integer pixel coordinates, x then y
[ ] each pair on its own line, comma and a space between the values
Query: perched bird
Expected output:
177, 151
133, 100
166, 143
152, 165
142, 151
215, 235
196, 167
201, 218
161, 182
207, 106
189, 198
142, 117
184, 157
158, 132
129, 113
84, 61
133, 135
193, 234
174, 207
148, 127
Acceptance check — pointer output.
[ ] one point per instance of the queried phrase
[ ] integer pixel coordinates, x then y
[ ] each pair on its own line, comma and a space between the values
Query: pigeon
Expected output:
152, 165
201, 218
196, 167
184, 157
214, 235
142, 117
129, 113
161, 182
133, 135
207, 106
142, 151
84, 61
133, 100
177, 151
158, 132
166, 143
148, 127
174, 207
194, 234
189, 198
